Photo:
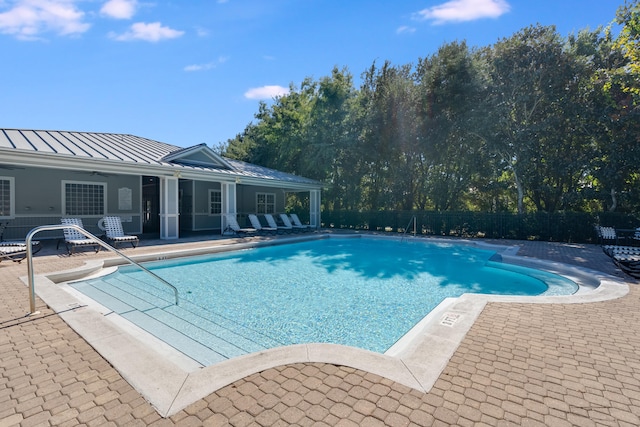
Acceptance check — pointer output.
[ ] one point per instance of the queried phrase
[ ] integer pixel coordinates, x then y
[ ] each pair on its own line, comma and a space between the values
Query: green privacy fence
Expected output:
577, 227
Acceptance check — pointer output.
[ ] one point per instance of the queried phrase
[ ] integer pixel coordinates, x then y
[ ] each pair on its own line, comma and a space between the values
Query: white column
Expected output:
314, 208
169, 214
228, 202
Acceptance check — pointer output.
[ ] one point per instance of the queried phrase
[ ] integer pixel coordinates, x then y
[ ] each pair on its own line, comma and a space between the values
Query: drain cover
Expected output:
449, 319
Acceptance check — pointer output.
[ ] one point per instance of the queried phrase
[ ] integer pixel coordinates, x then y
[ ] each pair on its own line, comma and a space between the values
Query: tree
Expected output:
534, 122
330, 153
388, 139
451, 87
531, 77
616, 86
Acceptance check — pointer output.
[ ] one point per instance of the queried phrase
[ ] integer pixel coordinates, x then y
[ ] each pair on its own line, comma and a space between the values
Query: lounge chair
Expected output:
115, 233
14, 253
629, 263
272, 223
255, 223
232, 224
287, 223
12, 247
606, 234
296, 221
74, 238
612, 250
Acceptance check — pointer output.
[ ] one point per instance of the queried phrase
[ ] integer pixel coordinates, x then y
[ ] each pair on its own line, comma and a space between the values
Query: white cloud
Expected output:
464, 10
28, 19
119, 9
202, 32
266, 92
152, 32
405, 29
207, 66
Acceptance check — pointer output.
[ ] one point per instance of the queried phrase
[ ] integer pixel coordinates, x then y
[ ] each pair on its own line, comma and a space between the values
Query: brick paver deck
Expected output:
520, 364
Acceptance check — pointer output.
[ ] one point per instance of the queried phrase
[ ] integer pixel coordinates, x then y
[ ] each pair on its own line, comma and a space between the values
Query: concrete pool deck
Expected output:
519, 363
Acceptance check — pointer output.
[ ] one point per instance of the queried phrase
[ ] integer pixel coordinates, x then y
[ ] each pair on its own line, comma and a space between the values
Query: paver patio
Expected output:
520, 364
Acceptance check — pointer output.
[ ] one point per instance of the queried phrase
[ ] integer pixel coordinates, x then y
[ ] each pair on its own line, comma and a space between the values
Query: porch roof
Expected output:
130, 154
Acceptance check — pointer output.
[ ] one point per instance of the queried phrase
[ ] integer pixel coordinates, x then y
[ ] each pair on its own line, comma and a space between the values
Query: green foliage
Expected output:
576, 227
536, 122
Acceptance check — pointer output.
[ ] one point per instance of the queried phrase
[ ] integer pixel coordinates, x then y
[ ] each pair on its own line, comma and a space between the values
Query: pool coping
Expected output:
171, 381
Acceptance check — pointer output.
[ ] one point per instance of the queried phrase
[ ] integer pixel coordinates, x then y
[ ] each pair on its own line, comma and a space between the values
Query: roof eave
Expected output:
60, 161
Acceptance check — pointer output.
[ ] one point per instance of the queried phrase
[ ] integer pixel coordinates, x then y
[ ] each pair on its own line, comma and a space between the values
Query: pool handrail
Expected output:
34, 231
412, 220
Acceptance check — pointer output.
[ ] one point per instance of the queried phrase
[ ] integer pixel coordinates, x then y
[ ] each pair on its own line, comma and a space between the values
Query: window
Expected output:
265, 203
6, 197
83, 198
215, 202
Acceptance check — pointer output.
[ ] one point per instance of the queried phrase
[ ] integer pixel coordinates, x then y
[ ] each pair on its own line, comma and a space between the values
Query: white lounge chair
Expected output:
14, 252
10, 249
115, 233
287, 223
255, 223
606, 234
74, 238
232, 224
17, 251
296, 221
272, 223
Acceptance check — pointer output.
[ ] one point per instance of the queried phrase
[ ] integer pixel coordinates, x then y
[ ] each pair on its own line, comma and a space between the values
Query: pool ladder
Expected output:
33, 232
412, 220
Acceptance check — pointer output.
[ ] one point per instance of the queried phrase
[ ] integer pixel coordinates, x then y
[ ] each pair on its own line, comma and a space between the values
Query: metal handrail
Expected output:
413, 219
33, 232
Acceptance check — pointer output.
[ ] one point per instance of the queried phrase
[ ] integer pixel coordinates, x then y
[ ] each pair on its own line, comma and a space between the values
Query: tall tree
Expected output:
452, 92
529, 74
619, 79
330, 153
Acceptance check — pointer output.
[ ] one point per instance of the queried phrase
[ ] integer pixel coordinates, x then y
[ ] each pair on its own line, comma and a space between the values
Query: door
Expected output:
150, 204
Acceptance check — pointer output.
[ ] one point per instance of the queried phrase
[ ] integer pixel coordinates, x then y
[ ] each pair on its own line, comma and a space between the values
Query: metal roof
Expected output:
133, 154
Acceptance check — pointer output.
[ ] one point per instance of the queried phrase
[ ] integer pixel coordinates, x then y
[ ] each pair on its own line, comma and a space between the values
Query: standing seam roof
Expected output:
129, 149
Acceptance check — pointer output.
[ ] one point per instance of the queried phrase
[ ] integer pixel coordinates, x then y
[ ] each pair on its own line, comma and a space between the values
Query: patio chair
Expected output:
287, 223
8, 246
14, 253
612, 250
272, 223
255, 223
296, 221
232, 224
606, 234
115, 233
74, 239
629, 263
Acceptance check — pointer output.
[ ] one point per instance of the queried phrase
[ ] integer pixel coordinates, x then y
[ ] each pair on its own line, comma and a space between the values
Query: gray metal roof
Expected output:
109, 149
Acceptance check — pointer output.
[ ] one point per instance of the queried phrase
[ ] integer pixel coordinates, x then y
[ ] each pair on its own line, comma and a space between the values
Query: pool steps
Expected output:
174, 324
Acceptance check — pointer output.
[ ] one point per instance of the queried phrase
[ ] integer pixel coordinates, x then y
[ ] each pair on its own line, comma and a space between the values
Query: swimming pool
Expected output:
360, 292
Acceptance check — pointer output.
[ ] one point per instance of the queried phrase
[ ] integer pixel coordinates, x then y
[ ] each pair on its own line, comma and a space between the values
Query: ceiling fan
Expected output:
94, 173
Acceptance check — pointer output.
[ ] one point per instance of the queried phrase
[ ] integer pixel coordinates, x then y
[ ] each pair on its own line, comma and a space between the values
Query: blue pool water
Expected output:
360, 292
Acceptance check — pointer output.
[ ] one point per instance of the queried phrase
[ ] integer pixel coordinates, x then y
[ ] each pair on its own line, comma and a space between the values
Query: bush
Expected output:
571, 227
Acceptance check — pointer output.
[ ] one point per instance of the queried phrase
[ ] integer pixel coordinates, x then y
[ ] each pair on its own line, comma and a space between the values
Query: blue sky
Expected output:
187, 72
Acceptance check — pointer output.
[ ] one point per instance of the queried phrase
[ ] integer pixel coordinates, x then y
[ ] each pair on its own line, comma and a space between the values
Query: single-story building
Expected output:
152, 186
